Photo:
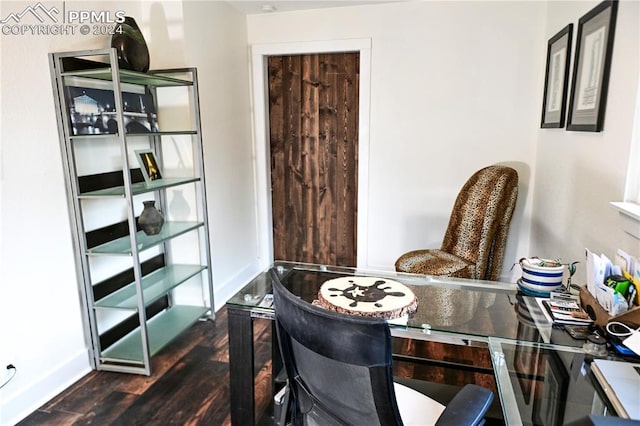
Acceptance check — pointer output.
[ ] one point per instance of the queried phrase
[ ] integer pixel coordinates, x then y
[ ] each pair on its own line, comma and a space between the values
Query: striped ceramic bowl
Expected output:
541, 274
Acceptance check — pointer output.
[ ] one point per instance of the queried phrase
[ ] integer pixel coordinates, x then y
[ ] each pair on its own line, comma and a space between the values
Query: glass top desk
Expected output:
524, 348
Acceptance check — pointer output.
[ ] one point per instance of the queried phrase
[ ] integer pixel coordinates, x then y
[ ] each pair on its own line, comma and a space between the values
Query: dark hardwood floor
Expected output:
189, 385
190, 381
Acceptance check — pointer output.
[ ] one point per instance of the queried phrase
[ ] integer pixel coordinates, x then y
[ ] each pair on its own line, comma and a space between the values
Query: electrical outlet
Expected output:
5, 360
5, 373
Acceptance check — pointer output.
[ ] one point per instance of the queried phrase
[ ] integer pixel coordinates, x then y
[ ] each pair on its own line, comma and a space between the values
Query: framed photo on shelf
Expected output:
592, 66
148, 165
139, 113
556, 79
92, 111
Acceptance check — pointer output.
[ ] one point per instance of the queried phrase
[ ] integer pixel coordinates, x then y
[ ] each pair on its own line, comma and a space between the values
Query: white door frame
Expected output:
259, 77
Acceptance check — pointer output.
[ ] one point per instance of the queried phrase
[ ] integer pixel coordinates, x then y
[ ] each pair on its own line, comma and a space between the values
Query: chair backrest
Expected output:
339, 366
480, 218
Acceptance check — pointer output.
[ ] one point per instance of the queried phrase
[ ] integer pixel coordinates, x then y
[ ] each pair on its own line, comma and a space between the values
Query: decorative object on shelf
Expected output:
148, 165
591, 69
556, 79
132, 50
139, 113
150, 220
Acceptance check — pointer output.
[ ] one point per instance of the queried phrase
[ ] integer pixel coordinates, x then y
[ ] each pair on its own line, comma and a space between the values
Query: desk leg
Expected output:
241, 377
277, 367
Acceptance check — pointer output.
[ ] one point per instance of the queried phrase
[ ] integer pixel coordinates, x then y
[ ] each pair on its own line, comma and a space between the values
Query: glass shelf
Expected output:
122, 246
161, 330
155, 285
139, 188
132, 77
103, 135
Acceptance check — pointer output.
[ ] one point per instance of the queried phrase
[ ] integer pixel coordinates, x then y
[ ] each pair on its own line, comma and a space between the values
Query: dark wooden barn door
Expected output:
313, 115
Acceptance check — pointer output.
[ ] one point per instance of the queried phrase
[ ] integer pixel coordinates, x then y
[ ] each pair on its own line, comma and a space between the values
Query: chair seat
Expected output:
416, 409
435, 262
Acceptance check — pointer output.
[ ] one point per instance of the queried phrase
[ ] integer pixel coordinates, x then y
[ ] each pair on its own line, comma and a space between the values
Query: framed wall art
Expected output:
148, 165
556, 79
592, 66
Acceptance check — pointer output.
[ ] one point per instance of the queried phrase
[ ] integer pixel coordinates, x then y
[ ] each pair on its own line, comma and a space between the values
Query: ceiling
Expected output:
250, 7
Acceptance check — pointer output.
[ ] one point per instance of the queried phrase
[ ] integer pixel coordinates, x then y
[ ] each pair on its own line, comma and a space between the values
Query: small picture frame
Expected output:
148, 165
556, 80
592, 66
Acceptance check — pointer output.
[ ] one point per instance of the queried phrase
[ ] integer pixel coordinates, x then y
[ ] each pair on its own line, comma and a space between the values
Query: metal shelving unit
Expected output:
138, 291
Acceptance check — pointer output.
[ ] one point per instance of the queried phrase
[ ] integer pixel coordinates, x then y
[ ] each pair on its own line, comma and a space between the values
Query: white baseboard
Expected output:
17, 405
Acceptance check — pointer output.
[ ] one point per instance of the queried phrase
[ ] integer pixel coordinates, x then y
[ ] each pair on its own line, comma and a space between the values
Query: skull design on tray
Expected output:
366, 294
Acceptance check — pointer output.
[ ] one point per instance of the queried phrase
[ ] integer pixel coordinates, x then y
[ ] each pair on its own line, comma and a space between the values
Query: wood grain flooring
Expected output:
190, 382
189, 385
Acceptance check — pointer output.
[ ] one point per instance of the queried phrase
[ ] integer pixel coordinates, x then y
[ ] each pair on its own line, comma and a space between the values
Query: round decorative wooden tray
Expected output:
368, 296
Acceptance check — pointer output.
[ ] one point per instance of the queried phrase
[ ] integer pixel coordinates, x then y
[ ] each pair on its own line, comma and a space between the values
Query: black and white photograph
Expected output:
139, 113
556, 79
93, 112
592, 65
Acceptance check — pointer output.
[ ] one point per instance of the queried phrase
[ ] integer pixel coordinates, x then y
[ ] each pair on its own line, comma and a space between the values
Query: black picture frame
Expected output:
556, 79
148, 165
592, 66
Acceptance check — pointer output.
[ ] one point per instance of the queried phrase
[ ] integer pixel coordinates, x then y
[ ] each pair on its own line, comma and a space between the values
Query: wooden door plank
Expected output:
313, 110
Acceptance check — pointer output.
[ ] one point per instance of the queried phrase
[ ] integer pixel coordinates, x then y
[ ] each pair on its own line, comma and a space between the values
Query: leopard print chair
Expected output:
474, 243
473, 246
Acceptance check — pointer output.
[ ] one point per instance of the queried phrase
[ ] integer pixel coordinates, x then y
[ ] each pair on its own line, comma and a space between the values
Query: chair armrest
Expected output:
468, 407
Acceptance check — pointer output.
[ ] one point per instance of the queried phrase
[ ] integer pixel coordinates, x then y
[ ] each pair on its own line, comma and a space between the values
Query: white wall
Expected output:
454, 87
218, 47
41, 321
579, 173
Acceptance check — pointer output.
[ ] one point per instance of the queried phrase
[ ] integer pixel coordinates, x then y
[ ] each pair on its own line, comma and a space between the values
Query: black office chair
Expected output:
339, 370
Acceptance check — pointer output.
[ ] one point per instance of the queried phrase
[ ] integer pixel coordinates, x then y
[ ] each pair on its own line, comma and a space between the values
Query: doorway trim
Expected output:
260, 97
